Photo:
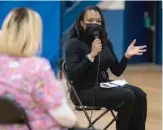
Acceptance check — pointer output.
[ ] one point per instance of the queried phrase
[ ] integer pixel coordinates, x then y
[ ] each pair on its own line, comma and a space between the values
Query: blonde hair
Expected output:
22, 32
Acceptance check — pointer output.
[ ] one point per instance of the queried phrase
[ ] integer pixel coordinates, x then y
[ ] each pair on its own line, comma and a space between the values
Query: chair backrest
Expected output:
73, 93
64, 68
12, 113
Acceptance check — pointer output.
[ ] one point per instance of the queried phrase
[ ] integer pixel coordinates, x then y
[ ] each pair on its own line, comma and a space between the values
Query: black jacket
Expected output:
85, 73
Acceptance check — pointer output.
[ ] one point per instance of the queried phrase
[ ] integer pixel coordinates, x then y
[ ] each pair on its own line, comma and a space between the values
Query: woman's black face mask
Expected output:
91, 28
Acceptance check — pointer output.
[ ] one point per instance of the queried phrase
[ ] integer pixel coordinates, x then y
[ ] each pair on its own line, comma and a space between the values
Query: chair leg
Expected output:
28, 125
93, 122
86, 114
89, 120
111, 122
113, 114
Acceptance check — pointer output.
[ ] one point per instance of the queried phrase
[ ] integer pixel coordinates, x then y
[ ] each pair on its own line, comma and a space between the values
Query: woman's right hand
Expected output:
96, 47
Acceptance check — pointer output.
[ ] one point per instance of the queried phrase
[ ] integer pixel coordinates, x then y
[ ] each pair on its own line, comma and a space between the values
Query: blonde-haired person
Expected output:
29, 79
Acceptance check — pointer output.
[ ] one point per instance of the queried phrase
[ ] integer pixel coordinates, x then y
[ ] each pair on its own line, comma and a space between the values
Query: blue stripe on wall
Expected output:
50, 13
134, 27
159, 33
70, 17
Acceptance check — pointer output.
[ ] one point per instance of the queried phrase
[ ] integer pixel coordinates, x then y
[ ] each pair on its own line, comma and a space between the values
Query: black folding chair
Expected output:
12, 113
85, 108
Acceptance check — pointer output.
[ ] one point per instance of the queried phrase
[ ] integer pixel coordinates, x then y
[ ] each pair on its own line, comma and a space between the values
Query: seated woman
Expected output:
89, 54
29, 79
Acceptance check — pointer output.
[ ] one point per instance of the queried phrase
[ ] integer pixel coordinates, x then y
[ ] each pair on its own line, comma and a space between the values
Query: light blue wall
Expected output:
114, 26
50, 13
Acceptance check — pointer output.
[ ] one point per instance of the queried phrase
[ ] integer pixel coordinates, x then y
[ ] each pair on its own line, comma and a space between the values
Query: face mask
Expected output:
91, 28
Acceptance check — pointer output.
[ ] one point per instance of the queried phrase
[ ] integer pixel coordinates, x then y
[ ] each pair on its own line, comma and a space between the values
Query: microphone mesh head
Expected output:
96, 34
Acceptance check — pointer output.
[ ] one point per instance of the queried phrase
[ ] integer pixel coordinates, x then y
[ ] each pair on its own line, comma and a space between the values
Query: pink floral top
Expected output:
30, 81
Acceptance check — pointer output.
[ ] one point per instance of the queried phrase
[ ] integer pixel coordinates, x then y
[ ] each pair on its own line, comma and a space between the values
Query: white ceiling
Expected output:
112, 5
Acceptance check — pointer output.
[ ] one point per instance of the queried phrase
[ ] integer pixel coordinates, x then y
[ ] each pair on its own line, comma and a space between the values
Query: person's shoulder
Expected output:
38, 63
73, 44
73, 40
40, 60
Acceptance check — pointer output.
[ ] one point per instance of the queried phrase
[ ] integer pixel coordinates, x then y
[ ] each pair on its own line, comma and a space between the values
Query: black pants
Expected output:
130, 103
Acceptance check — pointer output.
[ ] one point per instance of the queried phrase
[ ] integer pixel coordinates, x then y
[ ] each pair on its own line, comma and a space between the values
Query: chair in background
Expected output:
85, 108
12, 113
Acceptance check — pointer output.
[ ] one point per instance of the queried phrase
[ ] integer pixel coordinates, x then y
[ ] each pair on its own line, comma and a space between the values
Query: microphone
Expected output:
96, 34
